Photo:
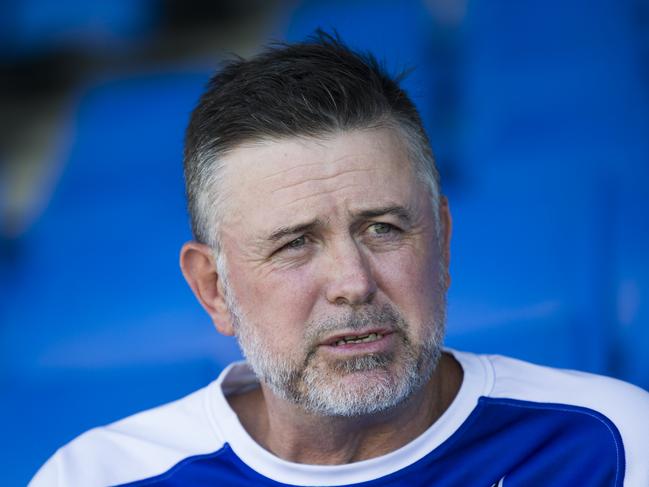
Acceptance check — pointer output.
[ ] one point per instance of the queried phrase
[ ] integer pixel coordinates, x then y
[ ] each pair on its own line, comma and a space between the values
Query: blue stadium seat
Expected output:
100, 321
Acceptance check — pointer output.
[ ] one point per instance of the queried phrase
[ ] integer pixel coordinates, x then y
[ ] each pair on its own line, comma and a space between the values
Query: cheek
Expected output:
411, 282
281, 300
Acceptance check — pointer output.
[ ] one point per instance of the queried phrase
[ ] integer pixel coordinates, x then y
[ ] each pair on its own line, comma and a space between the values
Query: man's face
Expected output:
335, 269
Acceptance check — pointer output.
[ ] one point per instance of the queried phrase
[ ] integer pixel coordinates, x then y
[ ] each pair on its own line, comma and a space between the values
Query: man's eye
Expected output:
381, 228
296, 243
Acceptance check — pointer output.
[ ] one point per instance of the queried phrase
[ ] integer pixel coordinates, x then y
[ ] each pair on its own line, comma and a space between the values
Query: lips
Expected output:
357, 337
372, 337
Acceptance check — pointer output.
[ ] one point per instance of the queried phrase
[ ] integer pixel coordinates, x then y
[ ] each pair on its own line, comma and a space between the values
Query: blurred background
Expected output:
538, 113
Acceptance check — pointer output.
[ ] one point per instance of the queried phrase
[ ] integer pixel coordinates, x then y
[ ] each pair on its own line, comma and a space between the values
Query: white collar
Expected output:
477, 381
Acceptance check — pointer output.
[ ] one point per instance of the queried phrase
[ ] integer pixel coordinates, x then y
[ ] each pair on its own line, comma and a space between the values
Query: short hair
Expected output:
314, 88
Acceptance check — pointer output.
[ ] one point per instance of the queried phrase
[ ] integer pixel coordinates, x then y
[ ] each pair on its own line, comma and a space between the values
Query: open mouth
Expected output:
348, 343
351, 339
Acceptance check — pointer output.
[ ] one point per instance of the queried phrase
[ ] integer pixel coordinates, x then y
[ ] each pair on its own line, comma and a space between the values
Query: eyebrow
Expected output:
399, 211
282, 232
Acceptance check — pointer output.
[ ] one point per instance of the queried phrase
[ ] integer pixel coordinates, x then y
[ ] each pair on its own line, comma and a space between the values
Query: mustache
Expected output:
385, 316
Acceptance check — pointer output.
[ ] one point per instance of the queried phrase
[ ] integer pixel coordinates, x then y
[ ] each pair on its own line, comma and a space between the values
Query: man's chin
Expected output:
360, 391
370, 362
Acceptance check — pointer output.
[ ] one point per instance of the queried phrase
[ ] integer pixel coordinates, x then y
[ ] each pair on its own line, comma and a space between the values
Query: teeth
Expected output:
359, 339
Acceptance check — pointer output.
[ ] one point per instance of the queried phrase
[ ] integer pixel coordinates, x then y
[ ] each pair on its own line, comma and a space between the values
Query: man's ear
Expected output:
446, 231
199, 268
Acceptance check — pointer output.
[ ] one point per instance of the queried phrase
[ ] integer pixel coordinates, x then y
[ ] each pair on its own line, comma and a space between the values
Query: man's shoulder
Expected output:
139, 446
517, 379
603, 409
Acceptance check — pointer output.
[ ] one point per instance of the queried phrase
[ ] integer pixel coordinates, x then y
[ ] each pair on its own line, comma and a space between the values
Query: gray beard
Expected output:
321, 387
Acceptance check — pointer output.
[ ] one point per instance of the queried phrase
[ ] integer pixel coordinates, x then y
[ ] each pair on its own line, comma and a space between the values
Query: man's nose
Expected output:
351, 280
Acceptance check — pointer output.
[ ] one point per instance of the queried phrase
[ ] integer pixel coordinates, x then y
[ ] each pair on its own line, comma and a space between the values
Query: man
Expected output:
322, 244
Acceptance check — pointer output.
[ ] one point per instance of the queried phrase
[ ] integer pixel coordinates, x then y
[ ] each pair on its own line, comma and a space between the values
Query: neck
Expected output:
294, 434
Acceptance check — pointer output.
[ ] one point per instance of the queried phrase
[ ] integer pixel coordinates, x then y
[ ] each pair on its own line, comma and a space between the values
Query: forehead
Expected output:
316, 177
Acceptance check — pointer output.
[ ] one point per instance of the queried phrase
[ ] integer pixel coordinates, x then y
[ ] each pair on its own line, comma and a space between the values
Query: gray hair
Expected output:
317, 88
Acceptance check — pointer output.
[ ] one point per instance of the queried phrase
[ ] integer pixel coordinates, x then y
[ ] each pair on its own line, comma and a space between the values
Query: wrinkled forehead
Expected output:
335, 181
280, 172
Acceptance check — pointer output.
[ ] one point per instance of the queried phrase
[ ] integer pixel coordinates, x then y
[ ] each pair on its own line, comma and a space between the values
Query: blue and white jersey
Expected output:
512, 424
